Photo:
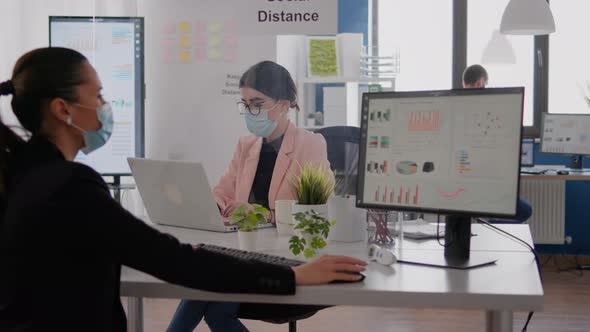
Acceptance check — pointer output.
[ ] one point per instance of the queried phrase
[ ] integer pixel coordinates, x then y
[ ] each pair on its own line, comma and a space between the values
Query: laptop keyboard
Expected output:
260, 257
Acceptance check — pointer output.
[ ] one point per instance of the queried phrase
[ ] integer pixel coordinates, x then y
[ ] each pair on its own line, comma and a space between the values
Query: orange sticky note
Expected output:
184, 27
185, 56
184, 42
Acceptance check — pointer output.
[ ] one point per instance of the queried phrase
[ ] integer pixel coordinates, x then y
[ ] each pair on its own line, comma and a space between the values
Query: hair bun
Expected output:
6, 88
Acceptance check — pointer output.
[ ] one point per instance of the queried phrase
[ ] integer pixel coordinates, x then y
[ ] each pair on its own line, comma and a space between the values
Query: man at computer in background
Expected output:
474, 77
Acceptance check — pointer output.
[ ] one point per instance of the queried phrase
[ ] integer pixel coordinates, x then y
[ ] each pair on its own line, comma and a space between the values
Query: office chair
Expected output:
524, 211
343, 143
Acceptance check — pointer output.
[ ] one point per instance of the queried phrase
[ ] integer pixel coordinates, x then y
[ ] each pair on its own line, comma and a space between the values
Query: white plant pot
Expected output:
284, 217
247, 240
350, 221
321, 209
285, 229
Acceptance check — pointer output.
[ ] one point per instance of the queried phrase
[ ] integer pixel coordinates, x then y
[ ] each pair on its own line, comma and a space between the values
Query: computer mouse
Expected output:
563, 172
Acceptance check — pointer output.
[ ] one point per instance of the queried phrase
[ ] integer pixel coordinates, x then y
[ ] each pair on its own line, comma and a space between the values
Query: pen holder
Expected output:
377, 227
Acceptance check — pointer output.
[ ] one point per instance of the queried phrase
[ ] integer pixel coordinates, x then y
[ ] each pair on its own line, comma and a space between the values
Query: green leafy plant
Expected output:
313, 185
248, 218
314, 231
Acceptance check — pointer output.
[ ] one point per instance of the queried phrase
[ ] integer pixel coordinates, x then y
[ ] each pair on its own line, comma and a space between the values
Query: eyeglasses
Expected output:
253, 108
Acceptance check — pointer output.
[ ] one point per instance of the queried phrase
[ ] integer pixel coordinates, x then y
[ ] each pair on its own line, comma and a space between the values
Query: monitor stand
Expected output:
457, 254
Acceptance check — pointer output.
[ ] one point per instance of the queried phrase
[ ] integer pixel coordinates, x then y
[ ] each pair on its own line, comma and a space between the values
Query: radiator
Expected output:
547, 197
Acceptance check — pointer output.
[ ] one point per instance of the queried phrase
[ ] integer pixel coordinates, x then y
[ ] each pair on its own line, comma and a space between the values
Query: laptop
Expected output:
177, 193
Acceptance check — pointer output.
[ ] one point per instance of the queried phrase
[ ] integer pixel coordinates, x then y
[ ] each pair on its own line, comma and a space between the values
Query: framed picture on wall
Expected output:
322, 56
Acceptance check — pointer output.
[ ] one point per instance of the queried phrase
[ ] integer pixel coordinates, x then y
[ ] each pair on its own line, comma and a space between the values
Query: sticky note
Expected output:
185, 56
214, 54
168, 28
184, 27
215, 27
184, 42
200, 53
215, 41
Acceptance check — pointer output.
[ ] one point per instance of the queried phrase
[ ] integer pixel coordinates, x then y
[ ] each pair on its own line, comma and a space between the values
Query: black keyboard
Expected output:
260, 257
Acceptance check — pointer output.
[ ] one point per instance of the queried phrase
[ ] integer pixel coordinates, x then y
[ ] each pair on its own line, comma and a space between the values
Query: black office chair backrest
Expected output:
342, 144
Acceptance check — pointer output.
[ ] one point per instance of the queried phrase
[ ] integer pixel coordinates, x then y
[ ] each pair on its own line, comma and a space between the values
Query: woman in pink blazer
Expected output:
265, 162
259, 172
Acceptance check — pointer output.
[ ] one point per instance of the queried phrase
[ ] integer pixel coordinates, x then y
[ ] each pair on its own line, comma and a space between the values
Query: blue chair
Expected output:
524, 211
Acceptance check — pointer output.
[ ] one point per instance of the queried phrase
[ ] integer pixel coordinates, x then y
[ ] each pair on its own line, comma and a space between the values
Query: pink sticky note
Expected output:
200, 27
200, 39
200, 53
168, 55
168, 28
168, 43
230, 55
229, 26
230, 40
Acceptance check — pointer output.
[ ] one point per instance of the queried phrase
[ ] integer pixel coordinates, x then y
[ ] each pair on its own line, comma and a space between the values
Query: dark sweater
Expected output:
63, 240
264, 170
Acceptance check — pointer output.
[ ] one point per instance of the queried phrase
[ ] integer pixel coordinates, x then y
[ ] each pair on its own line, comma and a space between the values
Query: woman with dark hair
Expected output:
63, 238
259, 171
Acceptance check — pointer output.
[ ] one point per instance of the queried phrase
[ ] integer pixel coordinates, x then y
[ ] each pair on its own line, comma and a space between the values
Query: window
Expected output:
509, 60
569, 55
422, 31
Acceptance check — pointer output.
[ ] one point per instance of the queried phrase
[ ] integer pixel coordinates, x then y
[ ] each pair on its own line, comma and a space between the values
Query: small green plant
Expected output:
248, 218
314, 185
314, 231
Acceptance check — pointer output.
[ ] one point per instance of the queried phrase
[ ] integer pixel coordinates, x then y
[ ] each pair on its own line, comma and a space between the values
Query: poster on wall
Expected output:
196, 52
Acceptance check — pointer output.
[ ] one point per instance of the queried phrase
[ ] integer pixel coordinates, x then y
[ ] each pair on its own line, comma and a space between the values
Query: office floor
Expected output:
567, 309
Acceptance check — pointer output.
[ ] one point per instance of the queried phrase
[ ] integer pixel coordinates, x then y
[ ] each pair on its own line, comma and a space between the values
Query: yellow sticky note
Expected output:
215, 27
184, 27
215, 40
184, 42
185, 56
214, 54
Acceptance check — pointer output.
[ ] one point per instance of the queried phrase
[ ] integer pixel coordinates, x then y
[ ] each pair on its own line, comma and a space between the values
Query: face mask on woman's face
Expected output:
260, 125
94, 139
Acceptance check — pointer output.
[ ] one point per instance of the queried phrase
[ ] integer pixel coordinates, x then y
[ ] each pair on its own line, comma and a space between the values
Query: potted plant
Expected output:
313, 186
248, 218
313, 230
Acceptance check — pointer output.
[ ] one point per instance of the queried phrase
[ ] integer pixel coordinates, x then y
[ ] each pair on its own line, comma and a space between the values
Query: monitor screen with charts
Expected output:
451, 152
114, 46
566, 134
527, 152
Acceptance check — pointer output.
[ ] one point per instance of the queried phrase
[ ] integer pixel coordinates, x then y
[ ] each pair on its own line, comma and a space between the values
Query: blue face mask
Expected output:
260, 125
95, 139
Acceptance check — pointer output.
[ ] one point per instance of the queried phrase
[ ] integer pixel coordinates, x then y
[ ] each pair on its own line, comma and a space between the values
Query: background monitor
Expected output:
566, 134
114, 47
448, 152
527, 152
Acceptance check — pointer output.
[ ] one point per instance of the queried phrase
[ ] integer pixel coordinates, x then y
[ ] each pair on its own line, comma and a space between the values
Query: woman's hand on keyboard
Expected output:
329, 268
229, 209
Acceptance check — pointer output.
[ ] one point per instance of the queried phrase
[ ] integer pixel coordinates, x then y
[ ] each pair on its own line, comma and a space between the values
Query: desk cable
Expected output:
525, 244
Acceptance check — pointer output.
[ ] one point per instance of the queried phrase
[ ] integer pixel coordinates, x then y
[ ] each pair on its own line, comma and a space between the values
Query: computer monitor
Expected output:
115, 48
566, 134
527, 152
453, 152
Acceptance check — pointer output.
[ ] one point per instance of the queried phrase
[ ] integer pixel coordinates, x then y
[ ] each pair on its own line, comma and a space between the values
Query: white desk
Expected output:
511, 284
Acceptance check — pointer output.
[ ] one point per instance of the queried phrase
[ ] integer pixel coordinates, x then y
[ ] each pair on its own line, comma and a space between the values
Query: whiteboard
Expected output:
114, 47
